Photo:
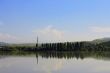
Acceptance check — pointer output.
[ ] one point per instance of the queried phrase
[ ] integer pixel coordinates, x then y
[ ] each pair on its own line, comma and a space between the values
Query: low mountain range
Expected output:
102, 40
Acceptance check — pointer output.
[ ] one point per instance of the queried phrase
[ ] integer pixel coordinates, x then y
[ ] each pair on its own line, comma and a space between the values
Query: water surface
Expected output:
55, 62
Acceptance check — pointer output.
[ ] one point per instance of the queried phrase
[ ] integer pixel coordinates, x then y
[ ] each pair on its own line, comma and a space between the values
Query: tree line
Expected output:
65, 46
71, 46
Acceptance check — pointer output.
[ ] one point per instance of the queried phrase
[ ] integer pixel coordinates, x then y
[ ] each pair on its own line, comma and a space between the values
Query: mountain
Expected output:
101, 40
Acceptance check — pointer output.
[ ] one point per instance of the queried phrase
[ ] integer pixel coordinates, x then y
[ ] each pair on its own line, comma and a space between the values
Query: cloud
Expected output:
5, 36
100, 29
50, 33
8, 38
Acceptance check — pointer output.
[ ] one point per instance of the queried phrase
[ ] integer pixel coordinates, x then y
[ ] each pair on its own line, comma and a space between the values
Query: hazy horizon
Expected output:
21, 21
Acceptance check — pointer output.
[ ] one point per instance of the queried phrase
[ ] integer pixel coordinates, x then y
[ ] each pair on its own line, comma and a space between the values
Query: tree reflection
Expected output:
60, 55
77, 55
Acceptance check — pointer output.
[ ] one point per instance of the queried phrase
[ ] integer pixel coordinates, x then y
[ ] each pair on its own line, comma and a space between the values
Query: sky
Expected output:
21, 21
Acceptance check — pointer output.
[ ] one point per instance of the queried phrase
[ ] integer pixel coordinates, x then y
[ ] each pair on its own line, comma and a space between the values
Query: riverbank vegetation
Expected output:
66, 46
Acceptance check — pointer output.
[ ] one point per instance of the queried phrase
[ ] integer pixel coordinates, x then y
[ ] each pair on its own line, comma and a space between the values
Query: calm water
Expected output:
55, 62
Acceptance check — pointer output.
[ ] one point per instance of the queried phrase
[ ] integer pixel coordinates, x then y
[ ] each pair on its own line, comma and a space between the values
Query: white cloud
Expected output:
100, 29
50, 33
6, 36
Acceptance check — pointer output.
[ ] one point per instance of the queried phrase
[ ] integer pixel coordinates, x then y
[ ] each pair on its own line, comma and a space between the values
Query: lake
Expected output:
55, 62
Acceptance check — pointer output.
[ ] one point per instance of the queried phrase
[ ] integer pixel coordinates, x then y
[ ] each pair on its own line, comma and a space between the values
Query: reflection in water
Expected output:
60, 55
54, 62
77, 55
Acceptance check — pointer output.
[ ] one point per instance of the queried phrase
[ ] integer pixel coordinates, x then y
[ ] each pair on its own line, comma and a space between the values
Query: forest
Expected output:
65, 46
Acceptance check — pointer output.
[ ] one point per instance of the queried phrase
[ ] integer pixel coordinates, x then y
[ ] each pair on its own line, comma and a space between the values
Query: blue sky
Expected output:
53, 20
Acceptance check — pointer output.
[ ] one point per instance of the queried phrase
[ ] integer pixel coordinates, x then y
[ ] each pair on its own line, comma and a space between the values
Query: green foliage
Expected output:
66, 46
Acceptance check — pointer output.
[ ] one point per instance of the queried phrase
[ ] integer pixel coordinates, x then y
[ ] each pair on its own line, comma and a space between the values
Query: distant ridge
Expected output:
97, 41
